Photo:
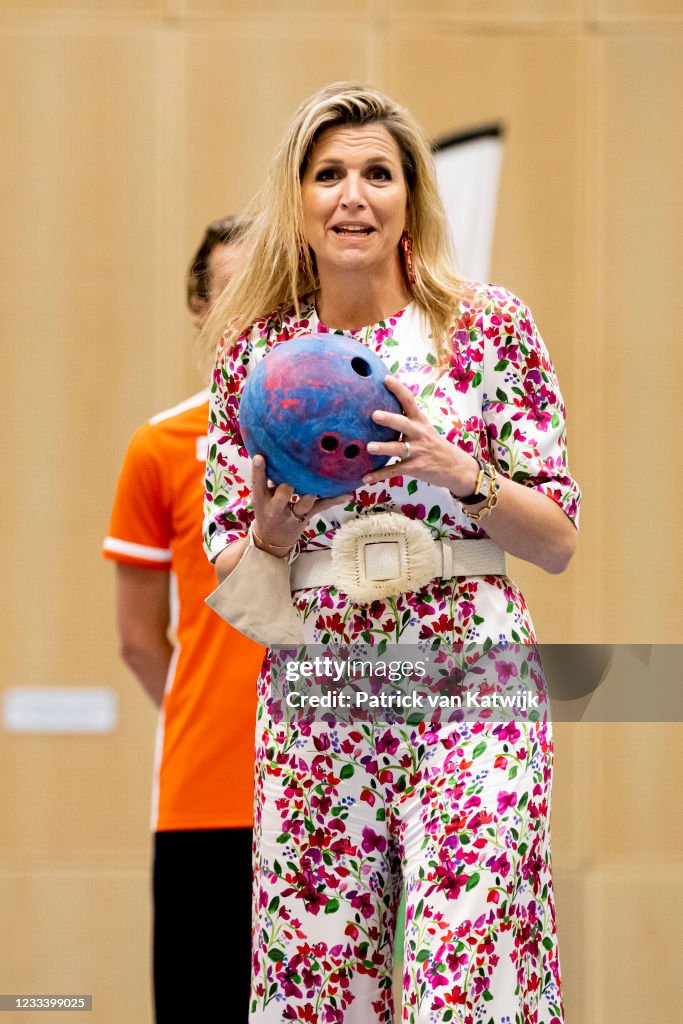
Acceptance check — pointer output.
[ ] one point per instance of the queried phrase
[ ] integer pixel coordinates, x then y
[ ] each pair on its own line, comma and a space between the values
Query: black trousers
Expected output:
202, 925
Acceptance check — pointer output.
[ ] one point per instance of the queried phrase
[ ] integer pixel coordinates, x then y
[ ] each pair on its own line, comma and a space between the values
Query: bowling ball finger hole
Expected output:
359, 366
351, 451
329, 443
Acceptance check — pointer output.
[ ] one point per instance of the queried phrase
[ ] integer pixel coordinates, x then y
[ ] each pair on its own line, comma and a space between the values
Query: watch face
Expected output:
485, 485
482, 491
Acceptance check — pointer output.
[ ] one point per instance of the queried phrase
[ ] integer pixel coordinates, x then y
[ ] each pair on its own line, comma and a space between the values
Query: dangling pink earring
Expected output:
406, 246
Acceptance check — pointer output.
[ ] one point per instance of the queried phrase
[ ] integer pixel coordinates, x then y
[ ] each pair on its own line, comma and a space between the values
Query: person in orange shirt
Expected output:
204, 684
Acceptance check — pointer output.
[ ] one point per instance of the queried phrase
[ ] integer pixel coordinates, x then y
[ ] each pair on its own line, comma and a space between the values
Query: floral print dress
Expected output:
456, 814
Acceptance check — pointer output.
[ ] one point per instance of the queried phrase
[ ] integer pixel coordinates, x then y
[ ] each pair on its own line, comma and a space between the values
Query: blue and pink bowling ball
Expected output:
307, 408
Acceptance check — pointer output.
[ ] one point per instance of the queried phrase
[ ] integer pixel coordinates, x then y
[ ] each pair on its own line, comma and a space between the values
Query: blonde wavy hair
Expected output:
279, 270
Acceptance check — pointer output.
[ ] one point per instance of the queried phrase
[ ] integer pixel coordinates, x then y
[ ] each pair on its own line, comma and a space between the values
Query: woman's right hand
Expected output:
279, 521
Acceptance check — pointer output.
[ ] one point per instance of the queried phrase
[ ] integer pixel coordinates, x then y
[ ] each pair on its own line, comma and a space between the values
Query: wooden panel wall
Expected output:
127, 125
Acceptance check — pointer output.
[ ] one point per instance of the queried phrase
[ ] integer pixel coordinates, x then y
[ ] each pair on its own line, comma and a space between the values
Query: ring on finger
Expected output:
299, 519
406, 451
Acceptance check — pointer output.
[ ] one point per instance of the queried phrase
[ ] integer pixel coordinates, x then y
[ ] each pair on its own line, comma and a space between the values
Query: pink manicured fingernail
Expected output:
258, 460
378, 414
373, 447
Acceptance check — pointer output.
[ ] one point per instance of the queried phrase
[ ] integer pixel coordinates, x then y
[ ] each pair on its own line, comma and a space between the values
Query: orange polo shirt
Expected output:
204, 762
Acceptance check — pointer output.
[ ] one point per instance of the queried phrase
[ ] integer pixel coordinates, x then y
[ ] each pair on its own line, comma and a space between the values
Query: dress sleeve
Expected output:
227, 493
140, 530
523, 408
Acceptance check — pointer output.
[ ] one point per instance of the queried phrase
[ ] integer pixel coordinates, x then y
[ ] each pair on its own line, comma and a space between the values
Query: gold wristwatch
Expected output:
482, 486
486, 488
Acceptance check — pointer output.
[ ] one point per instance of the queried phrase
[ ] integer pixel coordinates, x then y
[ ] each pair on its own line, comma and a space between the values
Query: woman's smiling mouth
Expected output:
350, 229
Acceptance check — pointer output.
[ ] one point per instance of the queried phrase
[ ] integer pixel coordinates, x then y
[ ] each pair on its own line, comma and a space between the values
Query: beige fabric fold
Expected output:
256, 599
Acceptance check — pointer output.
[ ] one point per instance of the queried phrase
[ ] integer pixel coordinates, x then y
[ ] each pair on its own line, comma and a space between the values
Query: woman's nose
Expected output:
352, 193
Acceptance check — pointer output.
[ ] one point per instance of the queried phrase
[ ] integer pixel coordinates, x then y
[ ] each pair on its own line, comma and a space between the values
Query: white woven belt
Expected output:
377, 556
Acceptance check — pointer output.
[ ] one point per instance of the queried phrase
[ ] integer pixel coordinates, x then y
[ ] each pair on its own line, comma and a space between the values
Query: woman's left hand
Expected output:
424, 453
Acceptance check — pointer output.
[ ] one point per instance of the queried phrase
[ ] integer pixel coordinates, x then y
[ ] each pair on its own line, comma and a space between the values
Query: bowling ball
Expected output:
307, 408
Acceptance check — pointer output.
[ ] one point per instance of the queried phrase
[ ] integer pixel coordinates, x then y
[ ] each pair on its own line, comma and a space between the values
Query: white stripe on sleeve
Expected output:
125, 547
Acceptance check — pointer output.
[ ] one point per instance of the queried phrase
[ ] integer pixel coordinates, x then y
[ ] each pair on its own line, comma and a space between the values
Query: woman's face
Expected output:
354, 199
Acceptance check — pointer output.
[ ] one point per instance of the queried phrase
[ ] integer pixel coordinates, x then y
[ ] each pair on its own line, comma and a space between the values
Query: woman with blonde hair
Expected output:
349, 236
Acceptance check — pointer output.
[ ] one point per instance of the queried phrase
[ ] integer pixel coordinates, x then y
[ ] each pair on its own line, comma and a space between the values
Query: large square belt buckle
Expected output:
384, 559
381, 556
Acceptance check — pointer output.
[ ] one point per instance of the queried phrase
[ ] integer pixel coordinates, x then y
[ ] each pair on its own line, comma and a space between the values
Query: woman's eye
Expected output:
326, 174
379, 174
